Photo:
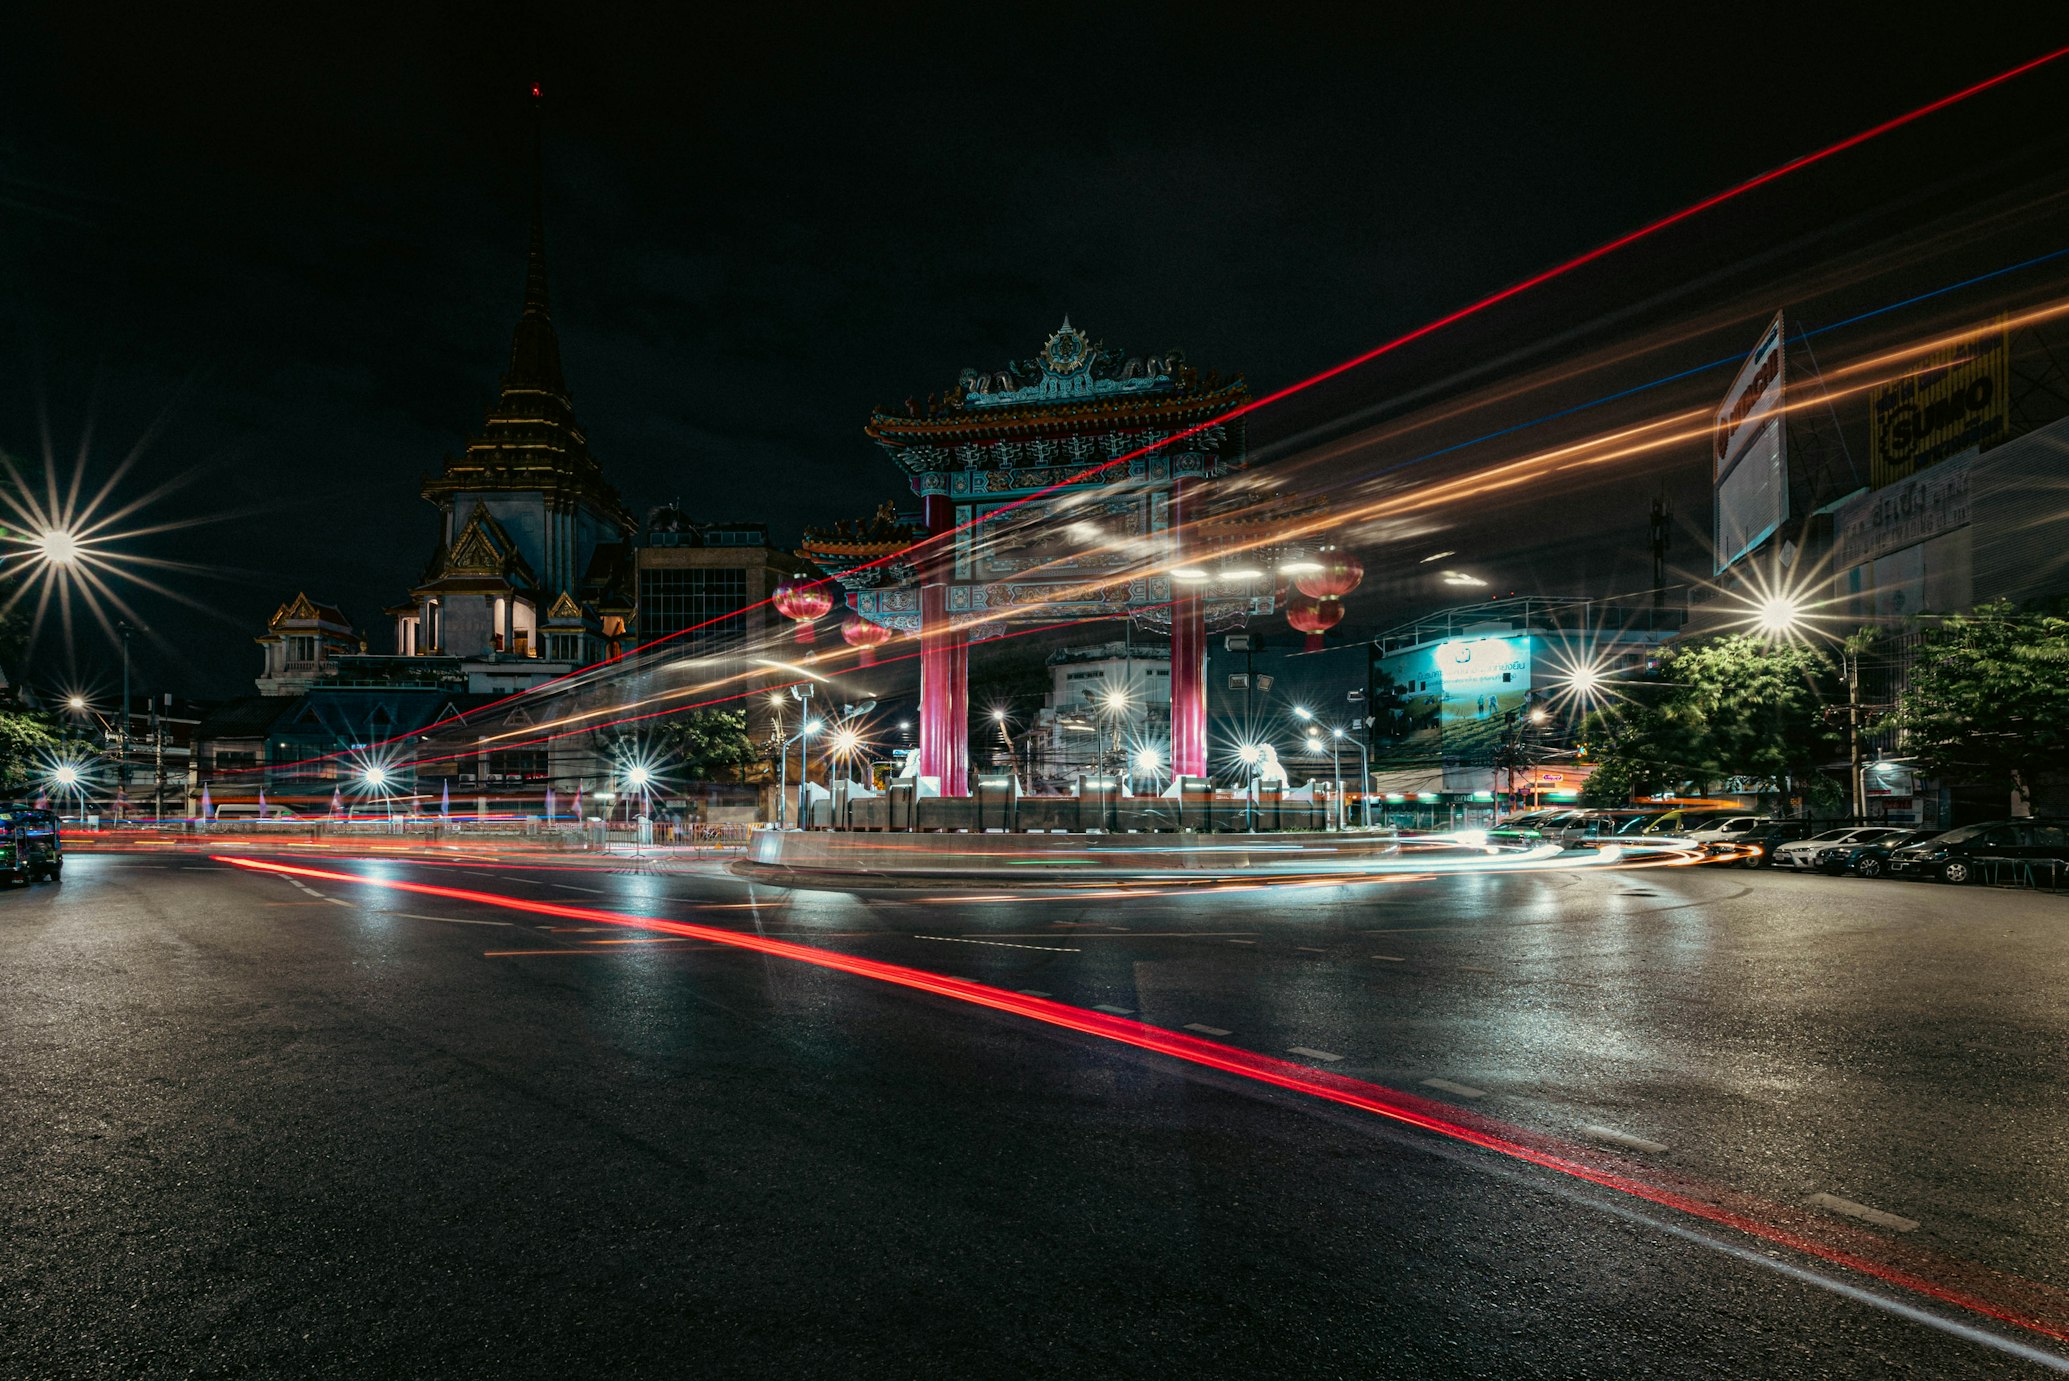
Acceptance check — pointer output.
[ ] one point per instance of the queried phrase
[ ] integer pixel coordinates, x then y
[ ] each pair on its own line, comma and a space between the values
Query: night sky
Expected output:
286, 244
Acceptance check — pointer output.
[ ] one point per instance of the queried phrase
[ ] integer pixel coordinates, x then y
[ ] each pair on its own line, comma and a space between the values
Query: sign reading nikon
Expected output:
1956, 398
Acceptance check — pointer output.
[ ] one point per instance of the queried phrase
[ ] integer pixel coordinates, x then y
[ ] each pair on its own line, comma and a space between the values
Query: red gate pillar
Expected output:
1188, 650
944, 662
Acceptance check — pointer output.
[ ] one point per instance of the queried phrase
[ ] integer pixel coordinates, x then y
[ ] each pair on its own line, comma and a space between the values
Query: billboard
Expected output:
1749, 447
1953, 399
1903, 514
1455, 696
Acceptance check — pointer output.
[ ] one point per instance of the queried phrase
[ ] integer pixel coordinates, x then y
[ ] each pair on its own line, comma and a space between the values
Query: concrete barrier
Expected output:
889, 858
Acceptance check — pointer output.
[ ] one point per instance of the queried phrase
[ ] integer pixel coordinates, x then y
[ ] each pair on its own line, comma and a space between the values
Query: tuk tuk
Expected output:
32, 847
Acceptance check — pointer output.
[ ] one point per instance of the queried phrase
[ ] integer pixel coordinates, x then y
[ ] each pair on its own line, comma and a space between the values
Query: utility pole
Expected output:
1662, 535
122, 739
157, 764
1855, 779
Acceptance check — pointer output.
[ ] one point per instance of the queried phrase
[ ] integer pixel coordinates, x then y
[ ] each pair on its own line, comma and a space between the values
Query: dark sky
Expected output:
291, 238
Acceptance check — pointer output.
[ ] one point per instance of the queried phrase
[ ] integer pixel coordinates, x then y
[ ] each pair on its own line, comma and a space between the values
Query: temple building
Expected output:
532, 574
304, 641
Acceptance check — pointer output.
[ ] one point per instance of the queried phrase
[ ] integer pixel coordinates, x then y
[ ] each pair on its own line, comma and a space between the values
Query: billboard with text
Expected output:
1953, 399
1749, 450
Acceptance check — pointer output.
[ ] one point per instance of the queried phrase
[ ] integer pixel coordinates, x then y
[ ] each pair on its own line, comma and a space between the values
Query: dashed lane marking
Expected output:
995, 944
1616, 1138
1391, 958
1835, 1204
1310, 949
571, 887
1312, 1054
1205, 1030
1032, 992
1242, 942
1462, 1090
1117, 1011
449, 920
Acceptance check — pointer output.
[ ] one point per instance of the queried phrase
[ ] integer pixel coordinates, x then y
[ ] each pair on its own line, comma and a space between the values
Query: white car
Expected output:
1802, 853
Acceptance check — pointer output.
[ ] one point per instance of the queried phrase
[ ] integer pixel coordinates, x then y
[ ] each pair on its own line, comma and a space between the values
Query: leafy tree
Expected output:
709, 745
1730, 707
1634, 756
1987, 697
26, 740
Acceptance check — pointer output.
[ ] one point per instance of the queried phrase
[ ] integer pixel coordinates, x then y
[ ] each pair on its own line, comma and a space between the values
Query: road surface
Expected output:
254, 1124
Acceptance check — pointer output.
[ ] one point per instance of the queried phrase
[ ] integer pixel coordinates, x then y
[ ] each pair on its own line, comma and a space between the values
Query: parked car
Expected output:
1674, 823
1867, 858
1973, 851
1578, 829
1805, 854
1722, 833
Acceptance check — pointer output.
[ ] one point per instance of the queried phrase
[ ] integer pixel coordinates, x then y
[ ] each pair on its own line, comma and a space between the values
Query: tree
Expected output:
1633, 755
1987, 697
27, 741
1730, 707
708, 745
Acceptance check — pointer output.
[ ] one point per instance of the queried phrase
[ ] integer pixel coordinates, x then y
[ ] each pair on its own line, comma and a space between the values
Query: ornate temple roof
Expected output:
1074, 388
529, 440
482, 557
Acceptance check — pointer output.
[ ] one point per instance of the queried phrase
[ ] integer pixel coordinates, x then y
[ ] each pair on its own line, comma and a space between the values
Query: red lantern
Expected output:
803, 601
1339, 575
1314, 617
860, 632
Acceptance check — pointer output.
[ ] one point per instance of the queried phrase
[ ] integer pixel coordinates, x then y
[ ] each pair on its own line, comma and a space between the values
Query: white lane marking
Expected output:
1861, 1211
1205, 1030
1617, 1138
1328, 1055
1242, 942
1462, 1090
449, 920
1310, 949
571, 887
1117, 1011
1032, 992
337, 901
995, 944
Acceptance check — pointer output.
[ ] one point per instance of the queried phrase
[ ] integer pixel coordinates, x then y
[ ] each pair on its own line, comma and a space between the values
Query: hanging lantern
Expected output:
1314, 617
860, 632
803, 601
1339, 575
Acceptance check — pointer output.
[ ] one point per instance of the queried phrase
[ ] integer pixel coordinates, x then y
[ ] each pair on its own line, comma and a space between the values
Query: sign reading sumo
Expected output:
1750, 450
1456, 695
1954, 399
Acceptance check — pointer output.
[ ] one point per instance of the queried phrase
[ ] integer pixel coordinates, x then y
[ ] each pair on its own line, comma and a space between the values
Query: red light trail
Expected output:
1472, 309
1744, 1216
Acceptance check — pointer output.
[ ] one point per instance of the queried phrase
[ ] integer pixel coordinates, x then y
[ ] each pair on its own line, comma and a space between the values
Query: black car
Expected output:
1986, 850
1768, 837
1870, 859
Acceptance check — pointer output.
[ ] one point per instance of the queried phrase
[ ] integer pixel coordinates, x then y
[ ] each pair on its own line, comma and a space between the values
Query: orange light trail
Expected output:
1735, 1212
1471, 309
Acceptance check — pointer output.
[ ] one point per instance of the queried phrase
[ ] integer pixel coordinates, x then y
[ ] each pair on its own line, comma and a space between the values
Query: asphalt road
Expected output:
255, 1127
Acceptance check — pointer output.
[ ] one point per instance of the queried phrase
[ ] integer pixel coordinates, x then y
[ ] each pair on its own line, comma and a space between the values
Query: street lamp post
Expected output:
122, 738
1251, 755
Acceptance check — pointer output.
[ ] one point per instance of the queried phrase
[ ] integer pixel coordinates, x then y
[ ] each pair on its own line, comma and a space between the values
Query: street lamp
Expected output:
1778, 616
1252, 755
59, 547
